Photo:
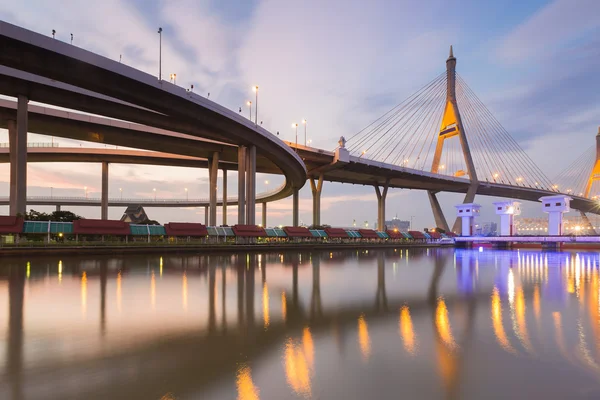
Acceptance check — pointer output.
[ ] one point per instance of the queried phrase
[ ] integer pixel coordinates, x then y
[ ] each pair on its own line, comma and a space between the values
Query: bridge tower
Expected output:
452, 126
595, 173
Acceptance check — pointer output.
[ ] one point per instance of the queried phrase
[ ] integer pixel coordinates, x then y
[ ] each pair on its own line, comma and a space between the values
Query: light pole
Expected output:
249, 104
255, 88
267, 185
53, 34
154, 190
305, 125
295, 125
85, 190
121, 192
173, 78
187, 197
51, 192
160, 54
71, 38
411, 225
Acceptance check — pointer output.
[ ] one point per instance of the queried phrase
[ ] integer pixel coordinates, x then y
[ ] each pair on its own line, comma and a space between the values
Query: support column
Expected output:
295, 210
438, 214
469, 198
381, 195
264, 214
224, 197
213, 170
555, 207
57, 207
316, 189
21, 157
104, 195
206, 215
468, 213
251, 186
12, 145
241, 185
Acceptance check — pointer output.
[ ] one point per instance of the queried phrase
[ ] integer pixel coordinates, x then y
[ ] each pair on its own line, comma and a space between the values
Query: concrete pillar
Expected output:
241, 185
104, 195
264, 214
295, 211
58, 207
381, 195
206, 215
224, 197
467, 212
438, 214
555, 207
251, 185
507, 210
316, 189
12, 145
469, 198
213, 169
20, 206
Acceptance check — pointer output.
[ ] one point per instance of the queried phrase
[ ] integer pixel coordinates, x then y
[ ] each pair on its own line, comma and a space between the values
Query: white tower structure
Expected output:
507, 211
467, 212
555, 206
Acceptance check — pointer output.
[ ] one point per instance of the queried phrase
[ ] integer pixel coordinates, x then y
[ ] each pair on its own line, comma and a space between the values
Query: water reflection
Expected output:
303, 323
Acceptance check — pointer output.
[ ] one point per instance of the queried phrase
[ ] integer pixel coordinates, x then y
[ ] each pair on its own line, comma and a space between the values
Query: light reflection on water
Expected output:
338, 325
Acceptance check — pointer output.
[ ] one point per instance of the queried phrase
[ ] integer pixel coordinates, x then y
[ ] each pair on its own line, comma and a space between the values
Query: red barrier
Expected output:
100, 227
11, 224
249, 231
297, 232
185, 229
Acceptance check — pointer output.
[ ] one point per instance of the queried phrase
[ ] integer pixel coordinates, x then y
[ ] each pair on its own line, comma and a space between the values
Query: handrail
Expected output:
32, 144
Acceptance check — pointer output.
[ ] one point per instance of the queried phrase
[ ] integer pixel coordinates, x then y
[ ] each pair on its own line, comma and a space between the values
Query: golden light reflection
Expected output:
363, 338
537, 308
60, 266
583, 348
309, 347
520, 309
84, 293
265, 301
497, 322
245, 387
297, 371
407, 331
283, 306
119, 291
184, 292
442, 323
153, 290
28, 273
161, 266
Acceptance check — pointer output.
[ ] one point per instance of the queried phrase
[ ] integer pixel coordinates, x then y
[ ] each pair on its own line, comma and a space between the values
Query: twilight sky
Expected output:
340, 65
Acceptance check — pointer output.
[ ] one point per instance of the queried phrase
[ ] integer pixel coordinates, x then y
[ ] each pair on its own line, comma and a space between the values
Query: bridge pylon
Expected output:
595, 173
450, 127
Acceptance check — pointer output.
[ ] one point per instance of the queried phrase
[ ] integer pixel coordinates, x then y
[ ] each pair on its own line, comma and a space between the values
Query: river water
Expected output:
409, 324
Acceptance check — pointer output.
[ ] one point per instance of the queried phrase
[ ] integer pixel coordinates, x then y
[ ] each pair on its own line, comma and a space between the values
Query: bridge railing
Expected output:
32, 144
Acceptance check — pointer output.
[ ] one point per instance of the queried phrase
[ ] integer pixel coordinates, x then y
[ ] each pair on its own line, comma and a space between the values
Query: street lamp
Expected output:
53, 34
71, 38
249, 104
267, 185
160, 54
121, 191
173, 77
295, 125
85, 190
305, 125
255, 88
154, 190
187, 197
411, 224
51, 192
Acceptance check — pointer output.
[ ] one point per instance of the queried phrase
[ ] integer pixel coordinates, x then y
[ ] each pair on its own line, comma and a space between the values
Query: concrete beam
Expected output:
316, 188
212, 190
242, 185
295, 211
438, 214
104, 194
224, 197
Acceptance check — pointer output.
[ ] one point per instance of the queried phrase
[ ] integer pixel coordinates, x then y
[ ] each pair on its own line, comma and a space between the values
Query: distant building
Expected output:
135, 214
489, 228
571, 224
395, 223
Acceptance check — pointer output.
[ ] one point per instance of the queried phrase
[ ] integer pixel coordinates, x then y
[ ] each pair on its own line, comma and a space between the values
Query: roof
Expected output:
100, 227
147, 230
11, 224
224, 231
416, 234
368, 234
249, 231
382, 235
185, 229
354, 234
135, 213
275, 232
42, 227
318, 233
336, 233
435, 235
394, 234
297, 231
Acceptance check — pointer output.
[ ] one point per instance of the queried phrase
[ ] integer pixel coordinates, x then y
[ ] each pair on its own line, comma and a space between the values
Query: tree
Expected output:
56, 216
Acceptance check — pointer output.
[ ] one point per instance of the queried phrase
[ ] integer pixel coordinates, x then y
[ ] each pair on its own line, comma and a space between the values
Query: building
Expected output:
395, 223
135, 214
571, 224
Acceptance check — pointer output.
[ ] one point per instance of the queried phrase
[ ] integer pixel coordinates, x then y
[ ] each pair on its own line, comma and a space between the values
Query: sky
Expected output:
339, 65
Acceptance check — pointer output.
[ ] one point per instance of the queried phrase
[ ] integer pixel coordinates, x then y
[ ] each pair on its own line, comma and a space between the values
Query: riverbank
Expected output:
103, 249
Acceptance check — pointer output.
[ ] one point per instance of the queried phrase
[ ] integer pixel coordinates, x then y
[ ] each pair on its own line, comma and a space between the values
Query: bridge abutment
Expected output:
316, 188
104, 194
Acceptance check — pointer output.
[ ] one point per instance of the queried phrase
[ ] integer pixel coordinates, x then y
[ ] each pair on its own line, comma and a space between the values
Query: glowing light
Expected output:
496, 175
160, 262
363, 338
28, 273
265, 301
283, 306
497, 322
308, 346
407, 331
294, 125
255, 88
248, 103
297, 371
442, 323
184, 292
60, 265
245, 387
84, 293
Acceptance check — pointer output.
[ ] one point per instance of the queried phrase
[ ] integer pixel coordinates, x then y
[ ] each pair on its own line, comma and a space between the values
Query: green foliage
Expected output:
56, 216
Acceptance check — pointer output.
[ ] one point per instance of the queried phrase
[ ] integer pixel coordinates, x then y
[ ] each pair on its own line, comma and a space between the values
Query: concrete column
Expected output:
104, 195
469, 198
58, 207
21, 158
251, 186
555, 207
438, 214
381, 195
467, 213
295, 207
206, 215
12, 145
316, 189
264, 214
241, 185
213, 170
224, 197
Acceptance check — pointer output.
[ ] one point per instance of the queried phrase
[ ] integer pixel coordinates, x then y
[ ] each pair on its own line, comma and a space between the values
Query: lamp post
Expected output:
187, 194
154, 190
85, 190
249, 104
305, 125
160, 54
295, 125
53, 34
121, 192
255, 88
411, 224
51, 192
71, 38
173, 78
